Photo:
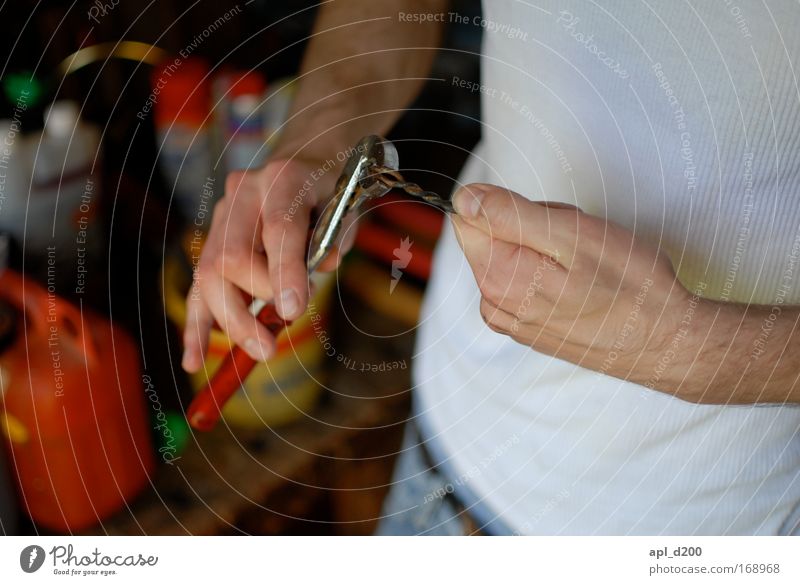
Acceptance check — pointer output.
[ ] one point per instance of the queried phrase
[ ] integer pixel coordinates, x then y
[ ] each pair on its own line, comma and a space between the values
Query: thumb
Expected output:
548, 228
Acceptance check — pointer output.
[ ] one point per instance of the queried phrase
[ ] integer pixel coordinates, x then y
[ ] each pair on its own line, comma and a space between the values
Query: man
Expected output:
609, 341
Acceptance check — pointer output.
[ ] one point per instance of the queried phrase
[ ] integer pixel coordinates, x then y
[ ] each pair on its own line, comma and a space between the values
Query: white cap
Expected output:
61, 118
245, 106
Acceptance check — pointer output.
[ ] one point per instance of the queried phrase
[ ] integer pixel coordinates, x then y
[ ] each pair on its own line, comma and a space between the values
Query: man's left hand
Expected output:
566, 283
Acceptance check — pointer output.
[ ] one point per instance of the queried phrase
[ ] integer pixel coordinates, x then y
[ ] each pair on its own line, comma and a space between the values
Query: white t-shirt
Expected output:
680, 121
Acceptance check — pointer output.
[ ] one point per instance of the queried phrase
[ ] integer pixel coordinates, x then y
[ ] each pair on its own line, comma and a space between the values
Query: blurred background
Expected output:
119, 121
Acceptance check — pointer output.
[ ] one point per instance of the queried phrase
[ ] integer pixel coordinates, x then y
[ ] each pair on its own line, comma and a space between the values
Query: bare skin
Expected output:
555, 279
586, 291
363, 67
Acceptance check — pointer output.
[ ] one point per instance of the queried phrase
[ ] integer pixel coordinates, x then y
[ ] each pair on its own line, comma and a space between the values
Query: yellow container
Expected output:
278, 391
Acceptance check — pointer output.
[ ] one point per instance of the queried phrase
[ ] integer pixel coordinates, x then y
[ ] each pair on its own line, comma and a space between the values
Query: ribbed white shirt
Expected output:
680, 121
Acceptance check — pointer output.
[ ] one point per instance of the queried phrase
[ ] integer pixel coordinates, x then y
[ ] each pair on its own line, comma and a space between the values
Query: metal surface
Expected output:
394, 180
371, 171
357, 183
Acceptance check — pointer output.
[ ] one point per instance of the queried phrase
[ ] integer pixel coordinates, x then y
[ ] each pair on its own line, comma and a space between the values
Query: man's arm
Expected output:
737, 354
364, 64
587, 291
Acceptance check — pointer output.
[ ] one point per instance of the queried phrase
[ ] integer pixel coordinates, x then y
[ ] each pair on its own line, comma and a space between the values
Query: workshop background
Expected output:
97, 184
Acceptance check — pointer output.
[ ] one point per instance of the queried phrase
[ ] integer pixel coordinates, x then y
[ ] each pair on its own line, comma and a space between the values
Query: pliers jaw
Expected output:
371, 171
359, 182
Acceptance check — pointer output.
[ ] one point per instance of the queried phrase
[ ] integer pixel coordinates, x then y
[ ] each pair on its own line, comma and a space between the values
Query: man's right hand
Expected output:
257, 245
363, 66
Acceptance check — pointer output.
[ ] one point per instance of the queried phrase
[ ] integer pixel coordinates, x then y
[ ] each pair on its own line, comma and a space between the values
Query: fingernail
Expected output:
255, 350
468, 201
289, 303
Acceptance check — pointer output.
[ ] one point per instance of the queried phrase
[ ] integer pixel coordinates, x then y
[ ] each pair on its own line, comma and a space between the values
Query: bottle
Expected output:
245, 134
55, 212
182, 119
14, 180
65, 161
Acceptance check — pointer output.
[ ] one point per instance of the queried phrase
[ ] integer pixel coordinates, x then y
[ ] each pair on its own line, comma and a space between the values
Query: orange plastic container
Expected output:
73, 411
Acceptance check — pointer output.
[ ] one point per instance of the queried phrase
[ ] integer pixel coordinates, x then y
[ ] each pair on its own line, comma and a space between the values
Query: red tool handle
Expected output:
206, 408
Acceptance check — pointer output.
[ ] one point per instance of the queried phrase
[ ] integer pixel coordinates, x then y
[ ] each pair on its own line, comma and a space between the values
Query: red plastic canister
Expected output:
73, 410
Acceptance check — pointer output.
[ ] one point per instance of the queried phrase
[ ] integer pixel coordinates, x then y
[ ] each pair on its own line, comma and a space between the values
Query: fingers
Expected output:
256, 244
549, 229
518, 329
497, 319
238, 251
485, 257
558, 205
227, 306
508, 275
196, 332
284, 235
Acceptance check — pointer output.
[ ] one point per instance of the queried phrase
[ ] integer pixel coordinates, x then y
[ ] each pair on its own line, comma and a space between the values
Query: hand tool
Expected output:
371, 171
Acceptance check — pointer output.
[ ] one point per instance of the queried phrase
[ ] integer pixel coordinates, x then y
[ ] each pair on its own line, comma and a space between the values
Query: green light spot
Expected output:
22, 89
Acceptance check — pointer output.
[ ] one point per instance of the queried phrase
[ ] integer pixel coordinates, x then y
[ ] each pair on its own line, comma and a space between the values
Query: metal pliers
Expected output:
371, 171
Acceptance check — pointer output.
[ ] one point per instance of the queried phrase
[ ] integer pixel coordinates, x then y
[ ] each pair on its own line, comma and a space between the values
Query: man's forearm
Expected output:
364, 65
729, 353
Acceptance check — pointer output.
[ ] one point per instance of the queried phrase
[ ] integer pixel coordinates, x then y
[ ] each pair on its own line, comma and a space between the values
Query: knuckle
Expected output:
486, 310
563, 226
219, 213
489, 315
220, 206
234, 325
496, 329
580, 263
229, 260
285, 266
275, 221
235, 331
491, 291
495, 198
287, 272
208, 264
233, 181
508, 257
588, 229
215, 262
506, 216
